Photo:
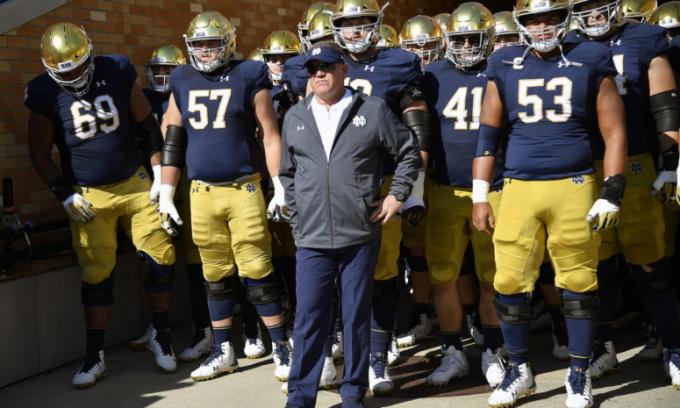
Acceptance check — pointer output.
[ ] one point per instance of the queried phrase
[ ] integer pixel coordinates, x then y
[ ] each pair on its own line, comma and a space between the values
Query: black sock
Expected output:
452, 339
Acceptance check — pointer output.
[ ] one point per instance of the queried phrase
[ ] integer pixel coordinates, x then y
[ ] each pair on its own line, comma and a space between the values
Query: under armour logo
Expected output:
636, 167
369, 68
301, 128
224, 78
578, 180
100, 83
615, 43
562, 64
250, 187
316, 51
359, 121
481, 75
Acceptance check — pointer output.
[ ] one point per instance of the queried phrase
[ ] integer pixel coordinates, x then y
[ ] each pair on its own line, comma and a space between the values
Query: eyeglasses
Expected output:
320, 66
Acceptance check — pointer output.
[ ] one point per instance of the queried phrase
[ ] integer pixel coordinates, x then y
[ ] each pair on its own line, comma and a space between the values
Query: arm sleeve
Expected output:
402, 146
287, 170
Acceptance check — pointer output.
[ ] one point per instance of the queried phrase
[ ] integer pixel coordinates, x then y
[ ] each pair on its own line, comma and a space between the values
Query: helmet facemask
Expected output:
215, 57
158, 80
465, 57
536, 38
80, 85
363, 36
610, 12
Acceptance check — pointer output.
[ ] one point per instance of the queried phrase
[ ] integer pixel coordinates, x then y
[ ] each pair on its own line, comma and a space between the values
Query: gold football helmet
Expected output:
303, 25
469, 35
667, 15
423, 36
67, 54
357, 38
611, 12
320, 27
210, 26
157, 76
388, 36
443, 20
536, 39
505, 27
277, 48
638, 9
255, 55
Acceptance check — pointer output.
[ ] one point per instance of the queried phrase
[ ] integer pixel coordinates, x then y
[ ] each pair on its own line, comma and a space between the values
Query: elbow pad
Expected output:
488, 141
666, 111
154, 137
412, 93
175, 146
418, 121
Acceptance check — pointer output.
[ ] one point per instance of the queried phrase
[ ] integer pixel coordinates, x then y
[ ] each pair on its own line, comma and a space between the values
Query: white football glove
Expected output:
276, 210
156, 186
665, 185
413, 209
604, 214
79, 209
166, 207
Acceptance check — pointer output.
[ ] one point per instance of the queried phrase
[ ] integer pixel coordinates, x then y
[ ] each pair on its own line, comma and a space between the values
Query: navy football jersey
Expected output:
158, 102
219, 117
455, 98
94, 133
296, 75
551, 108
633, 46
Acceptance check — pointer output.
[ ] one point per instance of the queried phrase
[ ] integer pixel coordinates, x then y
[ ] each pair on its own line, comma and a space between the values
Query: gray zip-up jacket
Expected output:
329, 200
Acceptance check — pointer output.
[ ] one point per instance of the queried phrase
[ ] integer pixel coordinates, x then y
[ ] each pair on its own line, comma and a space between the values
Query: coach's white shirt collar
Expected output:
328, 119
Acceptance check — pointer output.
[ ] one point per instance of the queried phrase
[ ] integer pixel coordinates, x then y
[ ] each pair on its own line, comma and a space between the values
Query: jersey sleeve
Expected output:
175, 80
35, 98
430, 87
127, 71
260, 79
606, 64
494, 67
658, 43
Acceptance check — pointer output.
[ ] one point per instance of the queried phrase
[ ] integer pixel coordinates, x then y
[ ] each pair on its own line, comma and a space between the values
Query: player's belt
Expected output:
248, 178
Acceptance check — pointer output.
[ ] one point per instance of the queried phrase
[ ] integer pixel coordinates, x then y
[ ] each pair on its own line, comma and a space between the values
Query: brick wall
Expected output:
133, 28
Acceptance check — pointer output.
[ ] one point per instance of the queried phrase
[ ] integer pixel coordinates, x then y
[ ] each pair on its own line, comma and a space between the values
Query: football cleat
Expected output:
159, 344
518, 382
418, 333
337, 347
560, 351
604, 360
454, 364
200, 346
282, 356
671, 364
379, 380
393, 352
652, 350
253, 348
139, 344
328, 375
222, 360
493, 366
579, 388
92, 369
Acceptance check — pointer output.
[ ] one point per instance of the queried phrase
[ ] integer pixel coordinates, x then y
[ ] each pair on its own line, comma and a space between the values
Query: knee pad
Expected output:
385, 291
607, 273
97, 295
262, 291
583, 306
517, 312
159, 278
546, 274
225, 288
656, 281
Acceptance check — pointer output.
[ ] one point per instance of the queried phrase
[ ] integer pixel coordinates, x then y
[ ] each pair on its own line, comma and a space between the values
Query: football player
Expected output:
87, 106
639, 10
216, 105
552, 93
256, 55
443, 20
279, 47
394, 75
455, 87
506, 30
646, 83
388, 36
423, 36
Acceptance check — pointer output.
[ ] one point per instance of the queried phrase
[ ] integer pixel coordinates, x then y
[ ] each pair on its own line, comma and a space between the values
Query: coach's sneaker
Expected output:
518, 382
652, 350
201, 345
417, 333
493, 367
159, 344
604, 360
337, 350
92, 369
254, 348
282, 356
393, 353
139, 344
454, 364
221, 360
579, 388
475, 332
328, 375
560, 351
379, 380
671, 363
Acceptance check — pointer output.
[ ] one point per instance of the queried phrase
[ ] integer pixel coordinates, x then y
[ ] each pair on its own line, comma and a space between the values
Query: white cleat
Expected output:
518, 382
162, 351
283, 357
379, 380
604, 363
560, 351
88, 374
198, 347
254, 348
329, 375
139, 344
222, 360
416, 334
579, 388
337, 350
454, 364
493, 367
652, 350
393, 352
671, 364
284, 388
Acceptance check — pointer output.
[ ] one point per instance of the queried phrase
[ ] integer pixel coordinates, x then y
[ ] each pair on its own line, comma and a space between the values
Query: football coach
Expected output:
335, 144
